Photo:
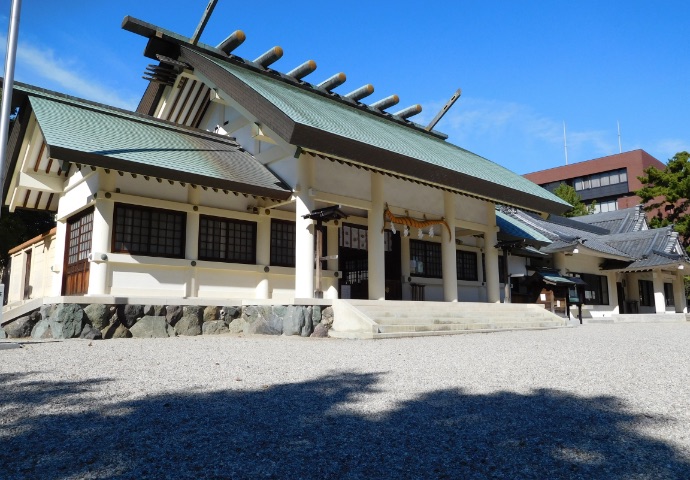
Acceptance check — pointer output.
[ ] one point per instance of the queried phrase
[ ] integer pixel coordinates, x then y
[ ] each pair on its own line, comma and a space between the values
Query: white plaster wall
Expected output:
227, 201
332, 177
147, 280
470, 209
41, 277
150, 188
80, 189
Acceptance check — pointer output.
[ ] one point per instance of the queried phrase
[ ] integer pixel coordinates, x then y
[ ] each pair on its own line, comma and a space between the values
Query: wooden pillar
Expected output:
304, 229
375, 244
448, 251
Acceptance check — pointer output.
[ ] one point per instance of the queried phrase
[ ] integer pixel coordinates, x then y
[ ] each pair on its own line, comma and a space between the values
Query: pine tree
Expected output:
568, 193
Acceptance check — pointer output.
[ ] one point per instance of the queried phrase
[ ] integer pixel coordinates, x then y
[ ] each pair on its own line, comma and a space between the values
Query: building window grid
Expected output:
429, 255
601, 179
80, 239
149, 231
466, 264
283, 238
227, 240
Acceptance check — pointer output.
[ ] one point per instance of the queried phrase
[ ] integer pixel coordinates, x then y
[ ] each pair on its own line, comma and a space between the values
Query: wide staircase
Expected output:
390, 319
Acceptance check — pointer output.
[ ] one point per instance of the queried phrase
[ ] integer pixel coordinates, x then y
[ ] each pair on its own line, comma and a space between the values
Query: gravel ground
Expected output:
597, 401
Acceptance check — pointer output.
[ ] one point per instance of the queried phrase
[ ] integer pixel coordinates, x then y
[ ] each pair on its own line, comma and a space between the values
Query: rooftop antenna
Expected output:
620, 147
565, 144
443, 111
204, 20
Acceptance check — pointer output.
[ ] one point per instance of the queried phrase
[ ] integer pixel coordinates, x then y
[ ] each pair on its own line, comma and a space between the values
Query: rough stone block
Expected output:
308, 326
188, 326
293, 319
173, 313
327, 316
130, 314
42, 330
214, 327
230, 313
22, 326
151, 327
90, 333
238, 325
99, 315
320, 331
67, 320
211, 314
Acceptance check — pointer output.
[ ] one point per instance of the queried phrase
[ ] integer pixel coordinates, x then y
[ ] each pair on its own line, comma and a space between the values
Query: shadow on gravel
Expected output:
307, 430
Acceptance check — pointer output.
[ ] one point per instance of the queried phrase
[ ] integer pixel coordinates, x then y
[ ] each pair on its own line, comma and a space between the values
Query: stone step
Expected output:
456, 314
520, 319
465, 327
436, 333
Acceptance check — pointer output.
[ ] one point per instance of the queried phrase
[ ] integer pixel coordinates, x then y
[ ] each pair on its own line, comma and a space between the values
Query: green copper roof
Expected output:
516, 228
310, 109
98, 135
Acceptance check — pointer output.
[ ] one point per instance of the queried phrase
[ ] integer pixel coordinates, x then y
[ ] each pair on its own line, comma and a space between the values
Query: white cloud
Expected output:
69, 75
667, 148
474, 118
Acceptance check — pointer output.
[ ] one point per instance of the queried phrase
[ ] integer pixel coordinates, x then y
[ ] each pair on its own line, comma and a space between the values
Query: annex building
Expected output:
610, 181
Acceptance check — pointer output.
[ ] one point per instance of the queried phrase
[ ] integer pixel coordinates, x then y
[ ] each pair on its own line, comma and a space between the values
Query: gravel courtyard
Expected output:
596, 401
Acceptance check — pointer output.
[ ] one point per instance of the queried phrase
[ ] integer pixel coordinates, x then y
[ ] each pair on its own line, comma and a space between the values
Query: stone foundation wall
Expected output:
99, 321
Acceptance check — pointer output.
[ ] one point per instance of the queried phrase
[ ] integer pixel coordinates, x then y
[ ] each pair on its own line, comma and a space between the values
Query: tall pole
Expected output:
565, 144
10, 58
620, 147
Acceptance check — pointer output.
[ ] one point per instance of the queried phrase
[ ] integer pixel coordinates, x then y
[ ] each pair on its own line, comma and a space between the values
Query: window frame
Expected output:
463, 256
228, 222
277, 259
432, 260
180, 234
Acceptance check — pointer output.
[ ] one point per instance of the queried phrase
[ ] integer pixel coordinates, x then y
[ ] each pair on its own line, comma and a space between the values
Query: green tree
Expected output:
666, 193
568, 193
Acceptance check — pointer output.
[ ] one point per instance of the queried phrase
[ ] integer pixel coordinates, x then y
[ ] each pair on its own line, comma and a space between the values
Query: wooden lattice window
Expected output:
80, 238
466, 265
283, 237
425, 259
227, 240
149, 231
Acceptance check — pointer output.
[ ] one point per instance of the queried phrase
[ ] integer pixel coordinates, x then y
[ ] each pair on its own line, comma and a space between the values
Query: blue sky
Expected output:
524, 67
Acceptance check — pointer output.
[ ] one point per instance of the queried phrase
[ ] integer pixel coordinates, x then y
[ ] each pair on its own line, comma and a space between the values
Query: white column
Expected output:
659, 301
493, 287
448, 251
191, 250
100, 244
263, 255
375, 223
332, 232
101, 234
613, 292
60, 237
405, 266
304, 241
679, 300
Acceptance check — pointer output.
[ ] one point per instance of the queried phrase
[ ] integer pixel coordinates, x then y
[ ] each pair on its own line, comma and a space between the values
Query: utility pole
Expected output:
8, 83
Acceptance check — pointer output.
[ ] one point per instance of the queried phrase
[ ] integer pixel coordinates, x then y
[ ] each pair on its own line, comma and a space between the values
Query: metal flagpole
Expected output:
8, 82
